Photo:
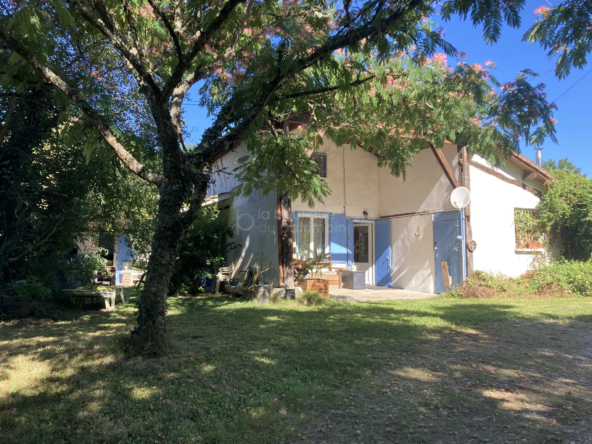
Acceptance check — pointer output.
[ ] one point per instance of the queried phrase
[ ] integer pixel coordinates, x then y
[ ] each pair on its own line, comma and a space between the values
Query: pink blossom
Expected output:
307, 27
541, 10
208, 48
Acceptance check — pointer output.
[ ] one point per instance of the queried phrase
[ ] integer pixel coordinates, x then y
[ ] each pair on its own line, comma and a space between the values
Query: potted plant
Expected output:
81, 275
261, 289
527, 228
22, 296
315, 266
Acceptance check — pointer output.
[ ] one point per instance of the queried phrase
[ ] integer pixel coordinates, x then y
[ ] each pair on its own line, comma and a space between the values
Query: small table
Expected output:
78, 296
354, 280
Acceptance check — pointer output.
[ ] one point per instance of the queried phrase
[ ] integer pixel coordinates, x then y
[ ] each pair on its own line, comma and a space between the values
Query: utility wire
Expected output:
578, 81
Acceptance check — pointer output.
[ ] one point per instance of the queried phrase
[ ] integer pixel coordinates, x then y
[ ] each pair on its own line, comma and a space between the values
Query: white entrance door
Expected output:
363, 249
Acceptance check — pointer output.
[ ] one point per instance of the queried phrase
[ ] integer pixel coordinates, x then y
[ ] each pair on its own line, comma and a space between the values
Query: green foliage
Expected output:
53, 191
557, 279
361, 71
564, 30
281, 163
312, 298
566, 213
202, 252
563, 164
315, 262
31, 289
573, 277
404, 106
81, 270
527, 227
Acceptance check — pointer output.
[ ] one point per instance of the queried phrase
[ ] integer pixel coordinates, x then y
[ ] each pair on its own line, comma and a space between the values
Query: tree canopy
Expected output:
564, 30
565, 211
364, 72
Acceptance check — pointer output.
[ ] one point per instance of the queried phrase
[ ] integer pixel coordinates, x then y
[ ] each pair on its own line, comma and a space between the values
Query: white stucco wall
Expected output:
412, 254
492, 221
224, 177
425, 187
255, 229
353, 178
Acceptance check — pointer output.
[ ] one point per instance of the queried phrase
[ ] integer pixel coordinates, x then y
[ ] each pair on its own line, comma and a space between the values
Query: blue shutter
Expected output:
350, 242
382, 240
338, 237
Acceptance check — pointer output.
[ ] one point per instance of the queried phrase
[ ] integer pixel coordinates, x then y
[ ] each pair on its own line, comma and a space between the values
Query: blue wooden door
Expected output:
382, 252
448, 247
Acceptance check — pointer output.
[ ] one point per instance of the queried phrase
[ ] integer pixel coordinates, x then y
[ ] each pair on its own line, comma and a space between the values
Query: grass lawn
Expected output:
429, 371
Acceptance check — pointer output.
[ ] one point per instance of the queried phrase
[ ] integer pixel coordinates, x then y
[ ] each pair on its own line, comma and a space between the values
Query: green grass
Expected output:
406, 371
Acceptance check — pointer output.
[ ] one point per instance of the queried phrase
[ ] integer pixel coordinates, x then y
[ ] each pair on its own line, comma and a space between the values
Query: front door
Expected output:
448, 248
363, 250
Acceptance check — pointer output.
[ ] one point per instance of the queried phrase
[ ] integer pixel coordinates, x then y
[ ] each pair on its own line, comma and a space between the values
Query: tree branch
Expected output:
169, 28
312, 92
208, 150
109, 29
97, 121
198, 46
36, 246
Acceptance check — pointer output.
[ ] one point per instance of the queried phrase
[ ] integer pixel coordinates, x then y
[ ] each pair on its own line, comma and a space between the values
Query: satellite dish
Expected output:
460, 198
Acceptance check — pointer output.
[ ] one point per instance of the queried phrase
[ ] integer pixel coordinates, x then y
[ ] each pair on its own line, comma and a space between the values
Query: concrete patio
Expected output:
374, 293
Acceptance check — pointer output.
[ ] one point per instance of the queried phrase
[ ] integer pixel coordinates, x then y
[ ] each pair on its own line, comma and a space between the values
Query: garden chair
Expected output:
224, 274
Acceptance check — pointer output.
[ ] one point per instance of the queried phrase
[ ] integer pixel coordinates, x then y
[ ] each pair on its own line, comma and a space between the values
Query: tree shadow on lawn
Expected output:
239, 372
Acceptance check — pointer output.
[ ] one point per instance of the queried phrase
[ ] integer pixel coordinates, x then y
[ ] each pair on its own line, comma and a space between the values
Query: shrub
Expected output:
311, 297
30, 290
565, 211
201, 253
571, 277
561, 278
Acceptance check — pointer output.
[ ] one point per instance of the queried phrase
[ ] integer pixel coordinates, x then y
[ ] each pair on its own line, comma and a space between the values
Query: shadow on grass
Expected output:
247, 373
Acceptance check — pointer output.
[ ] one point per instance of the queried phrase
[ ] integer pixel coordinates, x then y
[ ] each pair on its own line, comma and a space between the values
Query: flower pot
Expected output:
321, 286
18, 308
534, 246
260, 292
263, 293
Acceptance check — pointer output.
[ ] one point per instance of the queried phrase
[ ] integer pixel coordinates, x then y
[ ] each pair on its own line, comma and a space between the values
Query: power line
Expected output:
578, 81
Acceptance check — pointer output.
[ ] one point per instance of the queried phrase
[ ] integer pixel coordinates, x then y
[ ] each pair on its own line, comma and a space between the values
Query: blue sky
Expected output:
511, 55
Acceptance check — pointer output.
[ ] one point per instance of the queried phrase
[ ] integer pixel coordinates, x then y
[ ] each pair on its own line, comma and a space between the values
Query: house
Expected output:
118, 253
399, 231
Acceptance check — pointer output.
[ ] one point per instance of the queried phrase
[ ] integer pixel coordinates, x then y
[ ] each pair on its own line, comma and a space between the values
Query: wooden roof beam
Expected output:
445, 166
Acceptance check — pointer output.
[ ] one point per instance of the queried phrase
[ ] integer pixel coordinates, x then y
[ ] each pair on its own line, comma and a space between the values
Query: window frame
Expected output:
542, 235
312, 216
326, 164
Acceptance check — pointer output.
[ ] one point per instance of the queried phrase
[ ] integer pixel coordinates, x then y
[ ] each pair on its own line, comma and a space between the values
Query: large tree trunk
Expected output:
286, 238
172, 225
